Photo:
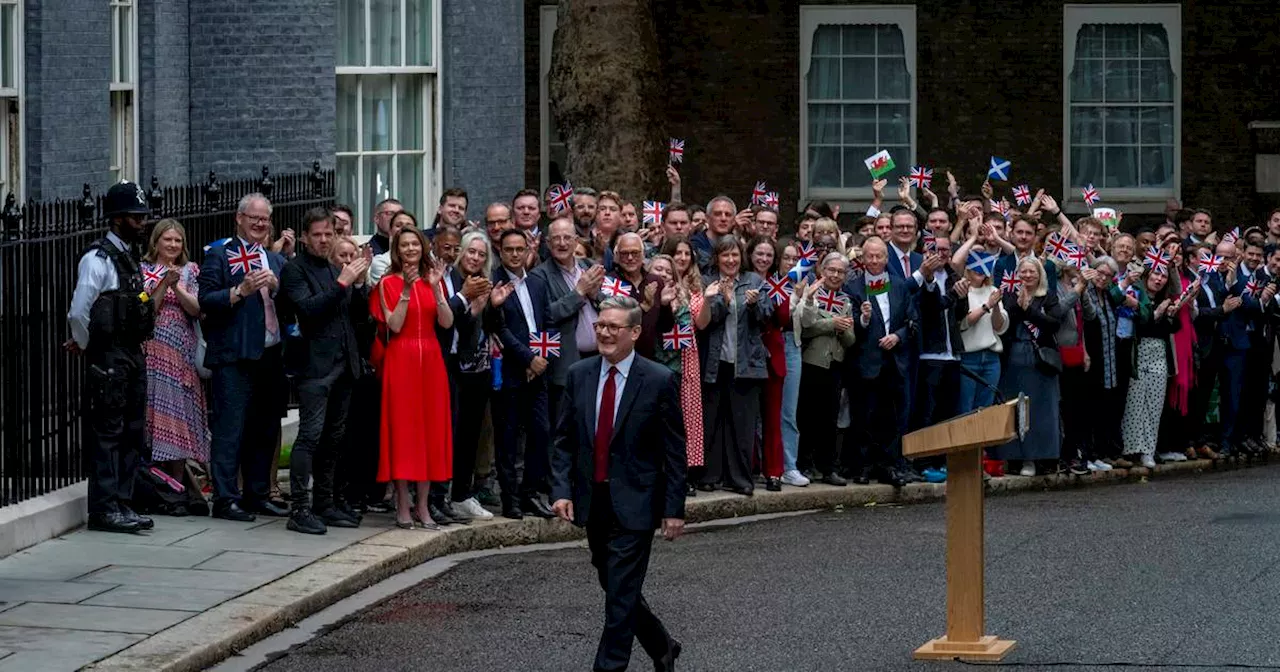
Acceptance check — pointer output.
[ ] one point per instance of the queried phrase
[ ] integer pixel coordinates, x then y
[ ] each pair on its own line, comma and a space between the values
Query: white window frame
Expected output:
812, 16
18, 43
546, 35
124, 123
1135, 200
431, 127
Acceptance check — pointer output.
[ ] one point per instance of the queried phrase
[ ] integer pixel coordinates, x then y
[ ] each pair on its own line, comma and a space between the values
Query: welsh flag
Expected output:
1107, 216
879, 163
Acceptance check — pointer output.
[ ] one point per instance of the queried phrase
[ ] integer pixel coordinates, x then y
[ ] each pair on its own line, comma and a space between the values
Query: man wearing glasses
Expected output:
655, 299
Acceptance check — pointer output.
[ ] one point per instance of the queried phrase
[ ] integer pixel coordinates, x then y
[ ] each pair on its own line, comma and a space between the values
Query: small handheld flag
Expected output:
559, 198
1056, 246
807, 252
653, 212
242, 260
757, 194
1107, 216
1209, 263
829, 301
1231, 236
802, 269
545, 344
779, 289
675, 151
880, 163
877, 285
153, 277
921, 177
930, 241
1001, 206
1252, 286
1033, 329
1022, 194
615, 287
1156, 260
999, 169
1076, 256
679, 338
1010, 283
771, 200
1090, 195
981, 262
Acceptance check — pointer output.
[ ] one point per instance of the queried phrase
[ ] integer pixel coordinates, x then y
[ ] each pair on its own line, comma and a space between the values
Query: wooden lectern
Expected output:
962, 440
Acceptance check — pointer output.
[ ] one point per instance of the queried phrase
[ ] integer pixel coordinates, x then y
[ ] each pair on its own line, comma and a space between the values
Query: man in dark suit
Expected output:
238, 285
444, 247
886, 324
521, 404
938, 372
320, 297
903, 261
1214, 304
620, 471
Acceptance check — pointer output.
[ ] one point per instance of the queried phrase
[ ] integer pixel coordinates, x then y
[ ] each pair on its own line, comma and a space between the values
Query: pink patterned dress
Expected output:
691, 392
177, 421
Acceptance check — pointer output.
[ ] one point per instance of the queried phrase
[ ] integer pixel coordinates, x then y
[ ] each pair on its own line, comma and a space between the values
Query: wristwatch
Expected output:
986, 308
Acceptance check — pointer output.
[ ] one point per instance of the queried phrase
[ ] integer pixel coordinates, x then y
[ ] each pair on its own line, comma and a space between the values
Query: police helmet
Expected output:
126, 198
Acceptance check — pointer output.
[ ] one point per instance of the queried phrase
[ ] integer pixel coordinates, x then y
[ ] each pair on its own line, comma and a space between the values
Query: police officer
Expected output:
110, 317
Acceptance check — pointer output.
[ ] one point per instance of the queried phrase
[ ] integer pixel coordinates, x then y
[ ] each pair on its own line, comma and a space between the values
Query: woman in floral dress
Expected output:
689, 283
177, 420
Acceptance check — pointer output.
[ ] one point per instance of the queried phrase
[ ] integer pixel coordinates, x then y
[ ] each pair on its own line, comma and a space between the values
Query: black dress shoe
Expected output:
233, 512
535, 507
269, 508
834, 479
144, 523
707, 487
447, 508
773, 484
667, 663
335, 517
512, 511
863, 477
745, 492
112, 521
892, 477
302, 520
440, 517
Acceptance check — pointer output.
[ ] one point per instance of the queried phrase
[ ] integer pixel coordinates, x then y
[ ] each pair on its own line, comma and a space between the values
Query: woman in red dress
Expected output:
764, 255
417, 428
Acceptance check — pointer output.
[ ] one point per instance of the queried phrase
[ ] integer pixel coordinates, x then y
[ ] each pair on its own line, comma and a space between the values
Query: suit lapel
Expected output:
634, 380
587, 390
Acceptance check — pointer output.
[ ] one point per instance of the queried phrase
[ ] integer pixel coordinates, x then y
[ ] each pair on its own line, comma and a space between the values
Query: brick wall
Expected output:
262, 86
164, 126
732, 71
484, 100
67, 105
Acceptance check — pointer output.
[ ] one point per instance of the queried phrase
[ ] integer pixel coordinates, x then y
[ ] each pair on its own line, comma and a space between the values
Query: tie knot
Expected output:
613, 371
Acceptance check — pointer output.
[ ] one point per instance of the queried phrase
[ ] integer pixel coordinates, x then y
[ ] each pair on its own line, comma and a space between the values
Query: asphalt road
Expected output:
1174, 572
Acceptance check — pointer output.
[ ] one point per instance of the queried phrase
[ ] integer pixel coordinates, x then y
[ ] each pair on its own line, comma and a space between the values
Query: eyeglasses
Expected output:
610, 328
629, 253
257, 219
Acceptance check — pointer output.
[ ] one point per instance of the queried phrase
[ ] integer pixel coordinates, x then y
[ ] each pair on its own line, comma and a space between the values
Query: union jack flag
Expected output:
1035, 331
829, 301
1009, 283
771, 200
1156, 260
675, 150
1057, 246
560, 197
679, 338
758, 194
1252, 286
151, 278
930, 242
615, 287
1001, 206
1022, 194
653, 212
545, 343
779, 289
921, 177
1077, 257
1231, 236
244, 259
1209, 262
806, 253
1090, 195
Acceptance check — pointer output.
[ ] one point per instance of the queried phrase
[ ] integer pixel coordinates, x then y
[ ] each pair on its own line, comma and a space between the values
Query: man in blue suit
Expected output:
521, 404
1235, 342
238, 286
1214, 304
904, 262
886, 325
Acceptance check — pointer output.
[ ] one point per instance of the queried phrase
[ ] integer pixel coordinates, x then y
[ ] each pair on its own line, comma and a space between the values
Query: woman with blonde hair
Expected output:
684, 274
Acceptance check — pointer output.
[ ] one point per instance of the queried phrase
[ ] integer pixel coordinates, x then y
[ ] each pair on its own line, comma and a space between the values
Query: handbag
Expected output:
1049, 360
1073, 355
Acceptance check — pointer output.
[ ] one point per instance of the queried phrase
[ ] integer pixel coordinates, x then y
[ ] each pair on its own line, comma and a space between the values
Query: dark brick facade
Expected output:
164, 68
985, 83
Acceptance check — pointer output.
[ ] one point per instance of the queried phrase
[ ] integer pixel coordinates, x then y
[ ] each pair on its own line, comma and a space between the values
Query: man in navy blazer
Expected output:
904, 262
881, 366
620, 472
1235, 342
521, 404
238, 286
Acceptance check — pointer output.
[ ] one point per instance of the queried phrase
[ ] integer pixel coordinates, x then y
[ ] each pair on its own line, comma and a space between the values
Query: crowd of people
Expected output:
430, 362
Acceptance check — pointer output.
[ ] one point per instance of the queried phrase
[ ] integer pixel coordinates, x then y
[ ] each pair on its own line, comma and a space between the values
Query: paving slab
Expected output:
167, 531
32, 590
57, 649
276, 539
175, 578
160, 597
253, 563
56, 569
86, 617
141, 555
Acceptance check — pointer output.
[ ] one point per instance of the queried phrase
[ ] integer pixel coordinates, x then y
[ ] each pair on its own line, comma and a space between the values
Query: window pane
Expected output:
124, 45
824, 79
824, 124
409, 185
1157, 166
348, 179
889, 40
859, 77
1157, 125
1086, 125
1121, 126
1154, 41
824, 166
409, 111
1121, 41
855, 170
376, 103
377, 180
348, 114
114, 157
1087, 82
895, 125
858, 40
895, 83
1122, 167
1122, 81
1089, 41
1157, 81
826, 41
1086, 166
385, 23
8, 33
418, 23
860, 125
351, 32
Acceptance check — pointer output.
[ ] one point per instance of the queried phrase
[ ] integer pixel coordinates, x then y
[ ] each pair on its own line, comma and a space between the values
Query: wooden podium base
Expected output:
987, 649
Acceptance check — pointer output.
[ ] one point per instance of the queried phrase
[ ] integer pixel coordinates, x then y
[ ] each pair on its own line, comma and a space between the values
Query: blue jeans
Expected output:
986, 364
790, 399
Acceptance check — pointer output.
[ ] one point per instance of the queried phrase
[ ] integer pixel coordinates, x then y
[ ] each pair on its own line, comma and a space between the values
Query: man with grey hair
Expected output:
720, 218
238, 286
654, 296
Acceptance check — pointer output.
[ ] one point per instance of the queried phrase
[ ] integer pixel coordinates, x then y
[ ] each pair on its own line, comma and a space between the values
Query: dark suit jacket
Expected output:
564, 306
233, 332
323, 309
514, 334
457, 305
936, 317
1209, 317
896, 270
1235, 325
646, 455
904, 320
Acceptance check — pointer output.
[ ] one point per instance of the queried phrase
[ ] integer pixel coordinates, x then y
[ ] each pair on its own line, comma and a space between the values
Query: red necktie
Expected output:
604, 427
906, 264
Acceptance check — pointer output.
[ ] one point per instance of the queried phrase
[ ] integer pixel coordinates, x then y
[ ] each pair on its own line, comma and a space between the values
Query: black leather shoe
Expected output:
112, 521
707, 487
892, 477
512, 511
690, 490
834, 479
440, 517
535, 507
335, 517
446, 507
773, 484
269, 509
144, 523
667, 663
302, 520
348, 511
233, 512
863, 477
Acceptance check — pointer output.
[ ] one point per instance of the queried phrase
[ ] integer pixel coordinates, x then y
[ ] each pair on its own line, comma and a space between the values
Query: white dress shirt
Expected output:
883, 300
96, 275
619, 384
522, 293
904, 258
938, 283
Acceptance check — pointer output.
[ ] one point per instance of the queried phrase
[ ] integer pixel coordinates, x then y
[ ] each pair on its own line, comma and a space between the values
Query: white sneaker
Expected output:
1092, 466
472, 508
1172, 457
1148, 462
1028, 469
1102, 466
794, 478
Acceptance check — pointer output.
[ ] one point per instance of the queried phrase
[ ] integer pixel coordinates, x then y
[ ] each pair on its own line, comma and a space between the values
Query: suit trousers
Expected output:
621, 559
1075, 405
730, 411
114, 431
474, 390
879, 414
357, 474
323, 406
937, 382
246, 424
1253, 397
1229, 390
818, 410
1198, 431
518, 410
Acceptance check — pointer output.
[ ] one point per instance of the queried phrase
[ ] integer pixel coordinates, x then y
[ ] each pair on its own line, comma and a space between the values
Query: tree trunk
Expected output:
606, 96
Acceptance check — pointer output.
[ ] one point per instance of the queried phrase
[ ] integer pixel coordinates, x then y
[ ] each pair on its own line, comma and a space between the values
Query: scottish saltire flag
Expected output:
771, 200
802, 269
1010, 283
999, 169
779, 289
679, 338
675, 151
653, 212
243, 259
758, 194
877, 284
1022, 194
545, 344
921, 177
981, 262
1107, 216
1209, 263
830, 301
879, 164
217, 243
1090, 195
615, 287
559, 198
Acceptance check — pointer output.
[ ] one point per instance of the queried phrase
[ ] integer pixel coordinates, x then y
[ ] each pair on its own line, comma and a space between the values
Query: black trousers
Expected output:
323, 405
1253, 397
879, 414
730, 411
1075, 406
518, 410
937, 382
1198, 431
621, 559
357, 475
474, 390
114, 428
817, 412
246, 426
